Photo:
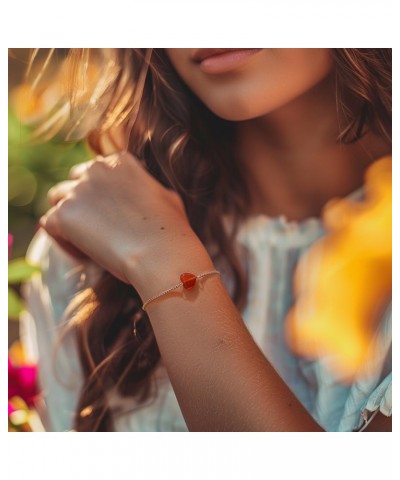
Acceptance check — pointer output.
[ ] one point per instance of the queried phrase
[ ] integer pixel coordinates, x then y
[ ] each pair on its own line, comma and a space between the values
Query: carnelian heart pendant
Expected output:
188, 280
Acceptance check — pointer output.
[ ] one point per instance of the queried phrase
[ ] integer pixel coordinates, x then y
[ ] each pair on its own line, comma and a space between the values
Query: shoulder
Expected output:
46, 253
61, 275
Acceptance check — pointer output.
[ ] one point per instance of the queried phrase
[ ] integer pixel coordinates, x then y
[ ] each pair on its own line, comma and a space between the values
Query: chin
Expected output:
237, 108
236, 111
236, 116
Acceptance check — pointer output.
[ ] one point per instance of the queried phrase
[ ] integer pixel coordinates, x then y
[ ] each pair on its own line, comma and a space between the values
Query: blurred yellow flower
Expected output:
344, 281
69, 95
17, 354
31, 105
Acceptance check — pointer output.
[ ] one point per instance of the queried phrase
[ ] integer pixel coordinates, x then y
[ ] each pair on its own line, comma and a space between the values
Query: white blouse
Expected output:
273, 247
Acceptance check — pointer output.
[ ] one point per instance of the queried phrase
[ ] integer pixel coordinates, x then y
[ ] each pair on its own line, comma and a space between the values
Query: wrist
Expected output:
160, 264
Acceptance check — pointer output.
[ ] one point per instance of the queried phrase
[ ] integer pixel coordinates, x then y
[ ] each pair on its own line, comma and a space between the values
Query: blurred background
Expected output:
32, 167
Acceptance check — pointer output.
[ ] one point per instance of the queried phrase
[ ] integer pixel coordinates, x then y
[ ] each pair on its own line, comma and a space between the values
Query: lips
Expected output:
217, 61
202, 53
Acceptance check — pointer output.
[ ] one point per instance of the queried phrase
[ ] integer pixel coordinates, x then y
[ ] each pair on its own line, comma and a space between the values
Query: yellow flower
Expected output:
71, 98
343, 283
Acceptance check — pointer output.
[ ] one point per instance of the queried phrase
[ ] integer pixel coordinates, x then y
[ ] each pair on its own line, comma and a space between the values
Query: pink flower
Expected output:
11, 409
10, 242
22, 382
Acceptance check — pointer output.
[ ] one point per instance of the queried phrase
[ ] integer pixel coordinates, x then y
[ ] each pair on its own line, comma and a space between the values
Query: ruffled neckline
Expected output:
278, 226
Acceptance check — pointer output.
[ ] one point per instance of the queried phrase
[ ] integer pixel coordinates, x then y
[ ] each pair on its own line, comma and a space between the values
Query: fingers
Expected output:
51, 224
78, 170
60, 191
112, 160
68, 247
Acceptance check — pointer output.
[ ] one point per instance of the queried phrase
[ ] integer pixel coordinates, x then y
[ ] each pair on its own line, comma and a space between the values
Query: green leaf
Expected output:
20, 270
15, 305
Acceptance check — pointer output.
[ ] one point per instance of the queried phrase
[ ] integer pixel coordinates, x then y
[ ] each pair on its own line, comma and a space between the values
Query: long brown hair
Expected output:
134, 99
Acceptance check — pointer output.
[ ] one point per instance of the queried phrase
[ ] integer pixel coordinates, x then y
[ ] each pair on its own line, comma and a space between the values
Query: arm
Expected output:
221, 379
142, 236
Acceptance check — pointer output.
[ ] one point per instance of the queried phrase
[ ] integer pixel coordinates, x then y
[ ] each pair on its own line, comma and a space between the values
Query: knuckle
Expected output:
74, 170
65, 210
98, 167
51, 194
79, 168
107, 162
82, 170
50, 220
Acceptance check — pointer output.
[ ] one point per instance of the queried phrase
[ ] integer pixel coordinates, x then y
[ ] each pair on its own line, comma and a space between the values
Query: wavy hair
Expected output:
132, 99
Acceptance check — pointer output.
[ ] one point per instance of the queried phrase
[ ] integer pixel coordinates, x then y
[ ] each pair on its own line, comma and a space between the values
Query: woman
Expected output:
232, 155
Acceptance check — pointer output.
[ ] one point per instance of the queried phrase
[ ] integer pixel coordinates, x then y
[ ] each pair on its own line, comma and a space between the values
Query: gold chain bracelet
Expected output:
188, 281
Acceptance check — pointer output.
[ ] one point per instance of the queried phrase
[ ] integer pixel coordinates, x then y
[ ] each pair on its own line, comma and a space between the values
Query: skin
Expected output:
283, 103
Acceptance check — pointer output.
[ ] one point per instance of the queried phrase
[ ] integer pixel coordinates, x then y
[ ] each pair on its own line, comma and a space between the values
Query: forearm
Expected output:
221, 379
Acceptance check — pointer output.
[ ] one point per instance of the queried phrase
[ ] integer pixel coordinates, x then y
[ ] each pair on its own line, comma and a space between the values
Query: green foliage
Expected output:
15, 305
19, 270
32, 170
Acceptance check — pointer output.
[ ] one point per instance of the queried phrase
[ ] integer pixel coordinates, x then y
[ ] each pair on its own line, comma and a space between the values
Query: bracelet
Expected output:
188, 281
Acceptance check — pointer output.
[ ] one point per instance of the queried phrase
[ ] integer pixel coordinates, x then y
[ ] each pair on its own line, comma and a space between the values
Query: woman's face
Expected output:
241, 84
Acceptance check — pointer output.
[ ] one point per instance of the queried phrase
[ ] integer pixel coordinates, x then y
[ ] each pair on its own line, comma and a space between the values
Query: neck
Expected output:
292, 161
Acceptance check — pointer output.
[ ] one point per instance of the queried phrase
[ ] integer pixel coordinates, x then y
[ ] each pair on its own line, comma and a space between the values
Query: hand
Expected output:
113, 211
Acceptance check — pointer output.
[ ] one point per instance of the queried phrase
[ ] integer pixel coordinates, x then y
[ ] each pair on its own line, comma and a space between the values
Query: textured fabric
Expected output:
271, 250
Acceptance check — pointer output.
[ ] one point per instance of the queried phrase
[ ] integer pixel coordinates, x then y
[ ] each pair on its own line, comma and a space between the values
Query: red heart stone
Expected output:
188, 280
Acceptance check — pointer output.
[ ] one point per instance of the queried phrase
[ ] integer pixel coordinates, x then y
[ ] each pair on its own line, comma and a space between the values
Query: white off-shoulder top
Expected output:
273, 246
